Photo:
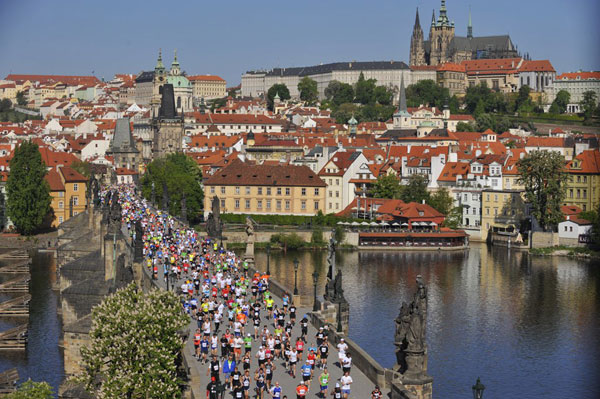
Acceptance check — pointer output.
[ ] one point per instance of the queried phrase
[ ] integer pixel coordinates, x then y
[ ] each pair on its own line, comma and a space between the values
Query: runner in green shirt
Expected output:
247, 343
323, 382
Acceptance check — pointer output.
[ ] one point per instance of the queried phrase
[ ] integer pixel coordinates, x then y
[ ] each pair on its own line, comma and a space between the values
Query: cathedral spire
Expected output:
417, 21
443, 18
470, 26
433, 18
402, 106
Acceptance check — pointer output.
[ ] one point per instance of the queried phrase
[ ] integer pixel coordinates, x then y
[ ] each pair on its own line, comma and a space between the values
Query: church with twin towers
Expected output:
444, 46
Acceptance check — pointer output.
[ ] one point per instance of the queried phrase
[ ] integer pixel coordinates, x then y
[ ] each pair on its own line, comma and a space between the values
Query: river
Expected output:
528, 326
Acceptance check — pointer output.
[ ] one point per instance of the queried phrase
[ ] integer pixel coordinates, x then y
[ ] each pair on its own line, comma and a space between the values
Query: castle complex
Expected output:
443, 46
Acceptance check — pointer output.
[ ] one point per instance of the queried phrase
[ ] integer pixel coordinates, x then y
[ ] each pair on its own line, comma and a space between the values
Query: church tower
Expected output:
417, 44
470, 26
160, 78
441, 34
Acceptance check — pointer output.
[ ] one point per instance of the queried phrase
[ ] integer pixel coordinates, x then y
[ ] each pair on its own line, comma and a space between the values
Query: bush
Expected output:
317, 237
339, 234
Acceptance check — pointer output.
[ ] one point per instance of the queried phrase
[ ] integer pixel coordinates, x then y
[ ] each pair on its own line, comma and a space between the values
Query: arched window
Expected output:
178, 102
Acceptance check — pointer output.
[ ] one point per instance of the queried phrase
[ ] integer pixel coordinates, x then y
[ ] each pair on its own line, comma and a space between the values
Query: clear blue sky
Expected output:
229, 37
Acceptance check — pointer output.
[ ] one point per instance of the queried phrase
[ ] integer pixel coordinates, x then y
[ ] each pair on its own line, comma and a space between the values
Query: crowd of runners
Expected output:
234, 308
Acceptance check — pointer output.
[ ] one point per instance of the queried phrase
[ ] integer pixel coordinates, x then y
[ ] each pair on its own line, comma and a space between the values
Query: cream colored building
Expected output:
267, 189
208, 86
502, 210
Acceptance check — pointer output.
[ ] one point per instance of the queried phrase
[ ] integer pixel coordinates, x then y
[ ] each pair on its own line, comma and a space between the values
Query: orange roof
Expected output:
45, 79
587, 162
491, 66
54, 181
52, 159
595, 75
452, 170
545, 142
451, 67
71, 175
234, 119
536, 66
213, 78
125, 171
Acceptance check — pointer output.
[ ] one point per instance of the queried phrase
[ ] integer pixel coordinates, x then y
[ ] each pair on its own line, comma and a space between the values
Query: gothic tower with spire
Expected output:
441, 34
417, 44
160, 78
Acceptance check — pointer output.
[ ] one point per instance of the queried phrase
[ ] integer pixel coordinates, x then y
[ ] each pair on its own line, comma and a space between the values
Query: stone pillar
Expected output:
109, 256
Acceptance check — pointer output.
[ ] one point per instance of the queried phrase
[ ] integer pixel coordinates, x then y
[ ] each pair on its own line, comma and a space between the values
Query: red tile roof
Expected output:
248, 174
451, 67
45, 79
595, 75
71, 175
54, 180
213, 78
452, 170
588, 163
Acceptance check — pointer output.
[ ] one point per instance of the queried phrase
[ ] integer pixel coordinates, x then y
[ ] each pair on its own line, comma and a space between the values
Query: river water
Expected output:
42, 360
528, 326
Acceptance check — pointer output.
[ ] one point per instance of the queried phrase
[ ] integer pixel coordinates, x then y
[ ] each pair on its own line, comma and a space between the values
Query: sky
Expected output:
229, 37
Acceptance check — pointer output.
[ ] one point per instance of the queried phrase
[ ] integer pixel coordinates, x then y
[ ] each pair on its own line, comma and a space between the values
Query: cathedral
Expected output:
443, 46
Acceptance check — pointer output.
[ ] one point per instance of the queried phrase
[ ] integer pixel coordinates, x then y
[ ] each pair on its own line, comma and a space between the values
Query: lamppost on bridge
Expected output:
296, 276
268, 258
478, 389
315, 277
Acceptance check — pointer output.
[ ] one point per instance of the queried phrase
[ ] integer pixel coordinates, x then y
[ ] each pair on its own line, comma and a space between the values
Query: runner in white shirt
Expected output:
346, 380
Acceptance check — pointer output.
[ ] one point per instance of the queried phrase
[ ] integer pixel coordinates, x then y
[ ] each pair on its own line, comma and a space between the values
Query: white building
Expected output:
386, 73
575, 83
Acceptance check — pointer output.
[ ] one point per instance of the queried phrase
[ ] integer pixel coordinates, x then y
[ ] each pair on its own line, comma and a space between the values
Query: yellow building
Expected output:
502, 210
269, 189
9, 91
208, 86
68, 190
583, 183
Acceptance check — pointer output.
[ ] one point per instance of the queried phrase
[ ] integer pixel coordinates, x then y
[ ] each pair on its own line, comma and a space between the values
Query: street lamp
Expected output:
296, 276
315, 277
268, 259
478, 389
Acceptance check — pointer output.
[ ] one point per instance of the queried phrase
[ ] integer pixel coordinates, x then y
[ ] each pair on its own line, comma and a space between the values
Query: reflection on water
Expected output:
42, 360
529, 326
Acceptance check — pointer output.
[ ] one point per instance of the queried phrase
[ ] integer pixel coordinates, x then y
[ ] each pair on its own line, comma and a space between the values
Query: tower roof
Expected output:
167, 103
175, 62
402, 108
122, 139
159, 63
417, 21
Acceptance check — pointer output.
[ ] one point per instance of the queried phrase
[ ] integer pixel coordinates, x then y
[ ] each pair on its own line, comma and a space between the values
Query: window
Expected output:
303, 205
278, 190
487, 197
585, 179
584, 194
278, 204
247, 204
268, 190
578, 193
287, 191
316, 191
237, 190
337, 194
75, 200
287, 205
330, 204
571, 228
259, 204
237, 203
222, 190
259, 190
222, 204
75, 213
571, 193
268, 204
316, 205
60, 219
61, 205
61, 194
75, 186
495, 211
247, 190
496, 197
212, 189
303, 191
487, 211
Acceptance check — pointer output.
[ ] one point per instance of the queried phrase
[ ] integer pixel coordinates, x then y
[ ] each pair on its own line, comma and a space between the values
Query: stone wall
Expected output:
351, 238
570, 242
541, 239
73, 342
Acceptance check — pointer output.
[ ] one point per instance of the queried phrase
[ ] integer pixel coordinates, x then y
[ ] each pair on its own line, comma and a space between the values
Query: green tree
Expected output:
277, 89
21, 100
32, 390
316, 238
182, 175
339, 234
454, 218
135, 345
502, 125
523, 102
28, 193
465, 127
364, 89
454, 105
542, 174
387, 186
308, 90
441, 201
82, 167
588, 104
345, 111
427, 92
382, 95
416, 189
485, 122
560, 102
479, 109
5, 105
339, 93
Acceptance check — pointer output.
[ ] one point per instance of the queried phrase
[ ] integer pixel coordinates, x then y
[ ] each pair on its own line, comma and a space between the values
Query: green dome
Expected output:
178, 81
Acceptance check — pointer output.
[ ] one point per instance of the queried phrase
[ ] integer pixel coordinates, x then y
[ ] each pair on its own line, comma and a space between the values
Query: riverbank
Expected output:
17, 241
575, 252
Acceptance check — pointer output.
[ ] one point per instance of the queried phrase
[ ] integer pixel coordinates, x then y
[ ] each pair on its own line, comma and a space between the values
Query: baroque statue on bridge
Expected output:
214, 225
